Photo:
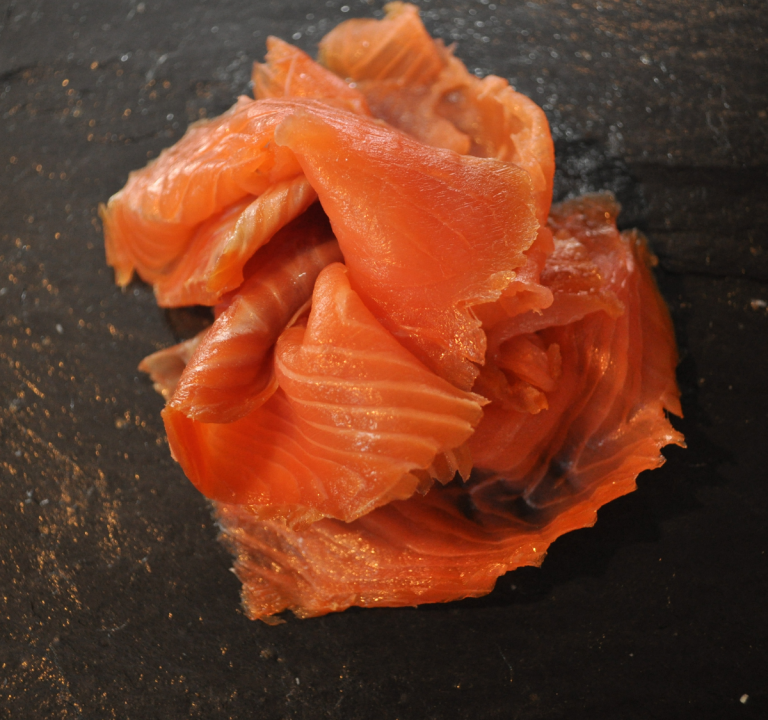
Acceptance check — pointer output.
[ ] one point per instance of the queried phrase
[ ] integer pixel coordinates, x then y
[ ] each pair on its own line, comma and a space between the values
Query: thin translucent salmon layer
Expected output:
231, 372
426, 234
399, 65
213, 263
417, 85
290, 72
579, 274
151, 222
606, 422
355, 414
166, 366
595, 274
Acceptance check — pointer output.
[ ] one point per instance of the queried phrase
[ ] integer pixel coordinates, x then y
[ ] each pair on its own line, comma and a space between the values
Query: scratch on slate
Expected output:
7, 19
511, 671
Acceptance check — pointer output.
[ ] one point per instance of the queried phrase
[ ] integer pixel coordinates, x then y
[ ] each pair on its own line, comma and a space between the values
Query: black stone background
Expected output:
116, 600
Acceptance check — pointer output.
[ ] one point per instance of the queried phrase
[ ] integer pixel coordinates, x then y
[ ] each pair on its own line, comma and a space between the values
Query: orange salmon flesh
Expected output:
420, 372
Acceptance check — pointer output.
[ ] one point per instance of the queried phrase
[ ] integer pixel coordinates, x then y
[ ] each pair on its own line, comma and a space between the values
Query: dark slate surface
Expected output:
115, 598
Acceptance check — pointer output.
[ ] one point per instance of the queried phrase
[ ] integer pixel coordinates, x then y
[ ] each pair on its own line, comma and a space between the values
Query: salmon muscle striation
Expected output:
231, 372
426, 234
354, 415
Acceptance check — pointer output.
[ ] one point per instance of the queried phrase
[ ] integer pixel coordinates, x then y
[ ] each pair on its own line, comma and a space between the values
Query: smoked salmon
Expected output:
420, 373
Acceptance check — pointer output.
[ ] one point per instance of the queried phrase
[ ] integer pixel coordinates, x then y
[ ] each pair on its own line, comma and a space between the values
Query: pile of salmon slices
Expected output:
420, 373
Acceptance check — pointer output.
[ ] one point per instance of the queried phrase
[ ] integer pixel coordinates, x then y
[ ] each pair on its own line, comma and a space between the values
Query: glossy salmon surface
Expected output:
354, 415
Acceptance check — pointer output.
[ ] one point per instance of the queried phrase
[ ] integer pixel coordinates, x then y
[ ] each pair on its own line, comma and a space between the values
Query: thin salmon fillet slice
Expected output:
166, 366
395, 64
606, 423
398, 47
290, 72
417, 85
213, 263
595, 272
231, 372
439, 102
354, 415
426, 234
151, 222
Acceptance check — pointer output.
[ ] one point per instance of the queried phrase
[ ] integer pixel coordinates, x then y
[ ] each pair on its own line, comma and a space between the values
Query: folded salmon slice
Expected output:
546, 473
166, 366
426, 234
417, 85
151, 222
231, 372
354, 415
290, 72
213, 263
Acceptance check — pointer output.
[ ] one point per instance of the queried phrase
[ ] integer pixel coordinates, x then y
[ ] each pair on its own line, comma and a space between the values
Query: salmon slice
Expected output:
593, 273
166, 366
290, 72
417, 85
396, 48
420, 264
151, 222
438, 101
355, 414
395, 64
213, 263
231, 372
606, 423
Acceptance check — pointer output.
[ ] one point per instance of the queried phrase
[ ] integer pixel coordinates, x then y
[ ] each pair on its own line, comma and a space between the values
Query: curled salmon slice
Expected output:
426, 234
354, 415
395, 64
290, 72
166, 366
417, 85
214, 261
151, 222
396, 48
231, 373
435, 99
